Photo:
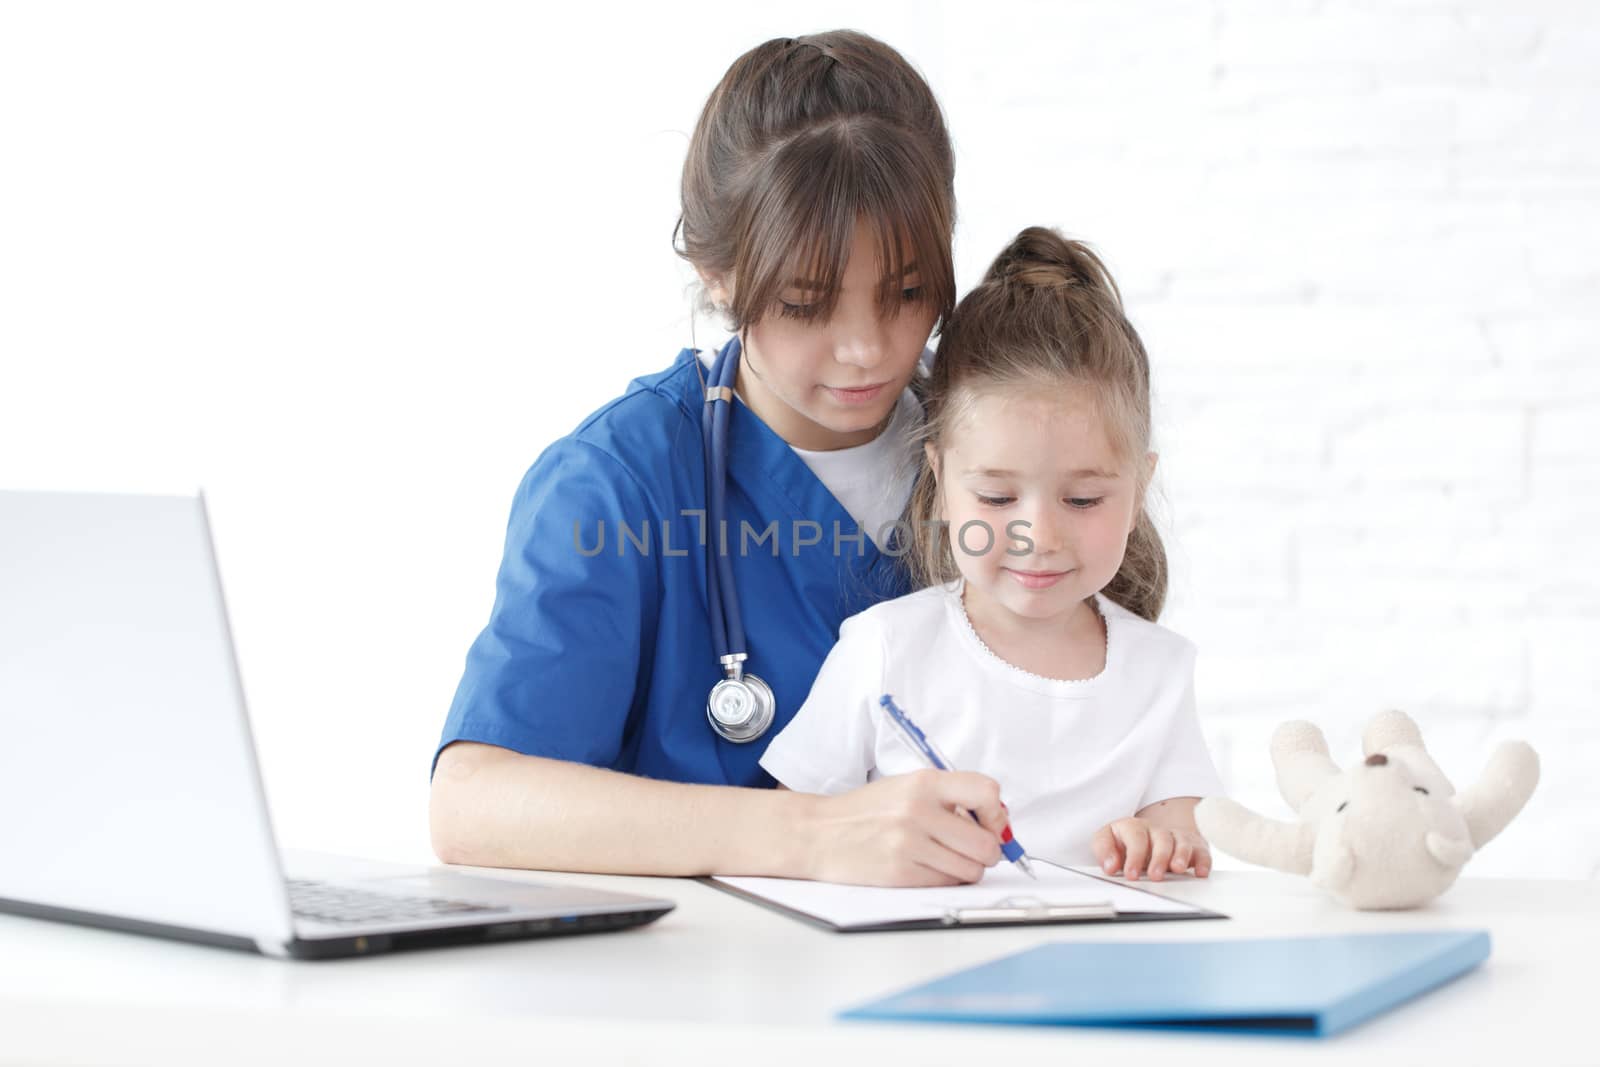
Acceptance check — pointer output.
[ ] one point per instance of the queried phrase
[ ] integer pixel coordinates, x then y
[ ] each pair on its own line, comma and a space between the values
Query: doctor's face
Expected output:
824, 385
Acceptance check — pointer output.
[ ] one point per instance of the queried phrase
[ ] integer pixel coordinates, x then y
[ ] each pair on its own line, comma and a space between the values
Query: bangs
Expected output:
808, 193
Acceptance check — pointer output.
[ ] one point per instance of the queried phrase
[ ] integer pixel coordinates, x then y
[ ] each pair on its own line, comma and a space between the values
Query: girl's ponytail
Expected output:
1040, 258
1140, 584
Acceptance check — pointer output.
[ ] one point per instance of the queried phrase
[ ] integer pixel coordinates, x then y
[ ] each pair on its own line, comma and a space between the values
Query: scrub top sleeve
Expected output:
828, 746
556, 671
1185, 768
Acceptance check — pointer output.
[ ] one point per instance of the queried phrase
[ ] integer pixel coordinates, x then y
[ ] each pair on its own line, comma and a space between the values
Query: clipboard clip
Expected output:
1028, 909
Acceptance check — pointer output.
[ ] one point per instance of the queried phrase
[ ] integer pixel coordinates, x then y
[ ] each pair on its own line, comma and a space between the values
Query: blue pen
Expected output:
924, 748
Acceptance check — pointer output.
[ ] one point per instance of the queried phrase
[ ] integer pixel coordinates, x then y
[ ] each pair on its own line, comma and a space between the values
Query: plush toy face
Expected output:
1401, 784
1384, 830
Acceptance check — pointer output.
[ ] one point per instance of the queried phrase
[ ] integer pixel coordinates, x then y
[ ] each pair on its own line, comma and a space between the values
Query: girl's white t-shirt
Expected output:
1070, 756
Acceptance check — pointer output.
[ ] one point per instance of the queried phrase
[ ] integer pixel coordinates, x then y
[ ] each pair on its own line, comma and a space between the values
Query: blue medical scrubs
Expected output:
604, 656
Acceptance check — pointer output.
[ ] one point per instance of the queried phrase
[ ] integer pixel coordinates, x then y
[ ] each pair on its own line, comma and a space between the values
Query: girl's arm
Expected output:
492, 807
1174, 813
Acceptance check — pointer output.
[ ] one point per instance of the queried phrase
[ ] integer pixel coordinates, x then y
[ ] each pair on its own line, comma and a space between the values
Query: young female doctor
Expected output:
711, 527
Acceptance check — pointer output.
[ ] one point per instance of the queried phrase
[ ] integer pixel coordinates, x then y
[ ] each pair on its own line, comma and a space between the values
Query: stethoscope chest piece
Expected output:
740, 709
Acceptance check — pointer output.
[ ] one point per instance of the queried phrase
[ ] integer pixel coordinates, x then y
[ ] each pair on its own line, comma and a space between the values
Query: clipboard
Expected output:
1004, 898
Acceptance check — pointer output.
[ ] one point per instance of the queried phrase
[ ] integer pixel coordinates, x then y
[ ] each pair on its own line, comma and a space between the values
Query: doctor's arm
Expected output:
543, 678
492, 807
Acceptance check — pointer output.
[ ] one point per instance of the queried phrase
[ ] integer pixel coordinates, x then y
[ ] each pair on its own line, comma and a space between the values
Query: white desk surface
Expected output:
720, 980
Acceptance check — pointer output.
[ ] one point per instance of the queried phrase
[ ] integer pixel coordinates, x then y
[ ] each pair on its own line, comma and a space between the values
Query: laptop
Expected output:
130, 794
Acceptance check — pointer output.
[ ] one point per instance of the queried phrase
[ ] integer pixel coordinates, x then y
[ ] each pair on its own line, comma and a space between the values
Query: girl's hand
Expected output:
907, 830
1134, 844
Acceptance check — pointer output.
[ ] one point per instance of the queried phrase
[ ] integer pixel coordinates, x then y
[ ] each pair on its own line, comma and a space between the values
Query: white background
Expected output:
350, 267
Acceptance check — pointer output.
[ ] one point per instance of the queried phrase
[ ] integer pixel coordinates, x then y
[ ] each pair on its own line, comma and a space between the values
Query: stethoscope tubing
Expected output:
727, 619
716, 503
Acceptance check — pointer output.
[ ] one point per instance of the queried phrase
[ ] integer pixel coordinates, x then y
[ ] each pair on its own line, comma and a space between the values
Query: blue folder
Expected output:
1308, 986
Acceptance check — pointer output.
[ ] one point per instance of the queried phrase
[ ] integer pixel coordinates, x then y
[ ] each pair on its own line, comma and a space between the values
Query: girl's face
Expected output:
1040, 472
829, 385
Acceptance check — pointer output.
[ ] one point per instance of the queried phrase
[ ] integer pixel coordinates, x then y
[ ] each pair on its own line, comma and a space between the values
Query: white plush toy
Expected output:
1390, 832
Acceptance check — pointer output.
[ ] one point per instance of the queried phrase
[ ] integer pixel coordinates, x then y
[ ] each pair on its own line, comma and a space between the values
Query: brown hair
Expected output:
801, 138
1046, 312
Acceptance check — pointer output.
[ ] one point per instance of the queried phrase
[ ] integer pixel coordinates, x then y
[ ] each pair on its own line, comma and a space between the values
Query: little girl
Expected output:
1031, 654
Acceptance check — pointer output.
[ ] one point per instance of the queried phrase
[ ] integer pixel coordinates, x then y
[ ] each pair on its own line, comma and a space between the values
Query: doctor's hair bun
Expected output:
1040, 258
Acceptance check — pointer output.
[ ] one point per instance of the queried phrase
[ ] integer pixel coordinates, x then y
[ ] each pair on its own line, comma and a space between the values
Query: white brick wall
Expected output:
335, 260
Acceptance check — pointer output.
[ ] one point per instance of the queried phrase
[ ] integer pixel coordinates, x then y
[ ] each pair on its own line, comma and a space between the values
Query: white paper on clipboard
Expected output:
852, 906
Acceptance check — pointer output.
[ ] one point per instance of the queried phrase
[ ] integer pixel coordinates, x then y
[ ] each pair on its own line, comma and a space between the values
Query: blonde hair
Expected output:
1047, 312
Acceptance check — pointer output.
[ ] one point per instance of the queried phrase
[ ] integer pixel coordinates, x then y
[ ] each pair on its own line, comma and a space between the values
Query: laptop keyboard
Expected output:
327, 902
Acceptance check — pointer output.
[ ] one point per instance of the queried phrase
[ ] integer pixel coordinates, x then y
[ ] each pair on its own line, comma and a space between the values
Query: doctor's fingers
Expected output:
951, 844
956, 865
908, 874
959, 834
968, 791
907, 855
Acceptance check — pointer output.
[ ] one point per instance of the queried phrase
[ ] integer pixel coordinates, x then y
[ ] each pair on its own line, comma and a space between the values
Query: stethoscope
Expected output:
741, 706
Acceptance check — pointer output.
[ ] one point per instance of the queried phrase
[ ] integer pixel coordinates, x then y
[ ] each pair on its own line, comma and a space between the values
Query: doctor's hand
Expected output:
1133, 844
907, 830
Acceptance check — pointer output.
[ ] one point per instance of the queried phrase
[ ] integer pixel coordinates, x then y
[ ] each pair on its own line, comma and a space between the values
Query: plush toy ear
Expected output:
1238, 831
1451, 852
1500, 791
1388, 729
1300, 756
